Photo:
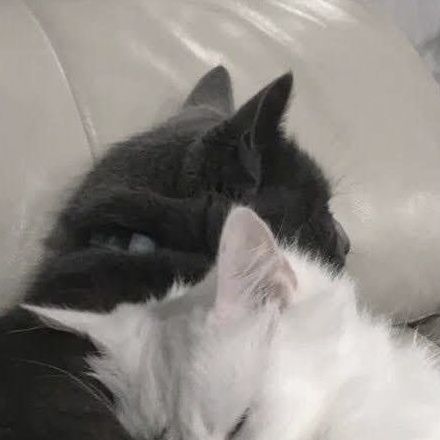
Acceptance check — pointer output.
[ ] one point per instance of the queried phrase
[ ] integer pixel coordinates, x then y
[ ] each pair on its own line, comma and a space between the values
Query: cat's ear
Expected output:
213, 90
93, 325
252, 270
258, 120
257, 123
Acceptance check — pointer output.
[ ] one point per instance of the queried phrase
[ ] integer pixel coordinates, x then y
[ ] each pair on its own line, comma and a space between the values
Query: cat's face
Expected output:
200, 364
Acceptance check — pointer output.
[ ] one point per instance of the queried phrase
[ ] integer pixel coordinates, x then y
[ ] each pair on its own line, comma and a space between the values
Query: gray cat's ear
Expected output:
213, 90
251, 269
258, 120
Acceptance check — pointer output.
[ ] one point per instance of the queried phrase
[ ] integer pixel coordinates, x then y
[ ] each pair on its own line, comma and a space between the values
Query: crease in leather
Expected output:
86, 121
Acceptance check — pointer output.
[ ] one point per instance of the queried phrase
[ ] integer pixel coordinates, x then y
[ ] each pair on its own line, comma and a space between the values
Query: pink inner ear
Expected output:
285, 282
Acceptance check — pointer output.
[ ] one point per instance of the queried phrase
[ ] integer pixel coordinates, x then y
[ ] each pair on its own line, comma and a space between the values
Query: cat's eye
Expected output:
238, 426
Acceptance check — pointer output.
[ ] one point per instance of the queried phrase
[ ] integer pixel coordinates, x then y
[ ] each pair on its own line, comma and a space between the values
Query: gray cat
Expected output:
152, 209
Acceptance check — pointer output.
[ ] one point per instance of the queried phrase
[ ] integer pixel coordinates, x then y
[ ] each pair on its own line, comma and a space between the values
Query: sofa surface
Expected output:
79, 75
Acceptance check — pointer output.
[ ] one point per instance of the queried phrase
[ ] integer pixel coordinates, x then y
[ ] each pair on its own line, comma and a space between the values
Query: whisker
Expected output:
341, 186
25, 330
279, 233
90, 389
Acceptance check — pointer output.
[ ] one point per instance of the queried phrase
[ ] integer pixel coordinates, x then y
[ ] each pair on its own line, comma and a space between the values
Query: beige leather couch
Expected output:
78, 75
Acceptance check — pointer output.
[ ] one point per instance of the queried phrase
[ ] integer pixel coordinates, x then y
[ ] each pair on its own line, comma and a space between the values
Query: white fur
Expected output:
269, 333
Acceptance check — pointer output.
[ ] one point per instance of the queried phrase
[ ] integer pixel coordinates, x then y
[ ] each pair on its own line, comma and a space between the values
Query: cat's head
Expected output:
201, 364
244, 156
202, 160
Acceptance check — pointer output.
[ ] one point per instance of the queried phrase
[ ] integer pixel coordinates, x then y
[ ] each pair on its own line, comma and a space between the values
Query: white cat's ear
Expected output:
252, 270
90, 324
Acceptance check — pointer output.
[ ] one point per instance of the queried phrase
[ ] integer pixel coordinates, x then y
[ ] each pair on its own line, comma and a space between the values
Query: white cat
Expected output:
270, 346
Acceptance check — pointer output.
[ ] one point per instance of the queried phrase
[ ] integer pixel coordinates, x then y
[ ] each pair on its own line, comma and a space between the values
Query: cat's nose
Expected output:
343, 244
